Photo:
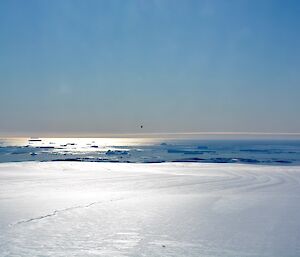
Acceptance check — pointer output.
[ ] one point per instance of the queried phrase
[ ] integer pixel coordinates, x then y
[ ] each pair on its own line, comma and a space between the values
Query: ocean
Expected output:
151, 150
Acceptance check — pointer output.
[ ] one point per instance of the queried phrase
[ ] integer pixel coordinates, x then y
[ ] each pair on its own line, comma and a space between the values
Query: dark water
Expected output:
275, 152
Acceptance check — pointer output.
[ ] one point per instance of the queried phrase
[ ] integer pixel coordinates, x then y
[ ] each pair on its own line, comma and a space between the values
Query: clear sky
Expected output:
88, 67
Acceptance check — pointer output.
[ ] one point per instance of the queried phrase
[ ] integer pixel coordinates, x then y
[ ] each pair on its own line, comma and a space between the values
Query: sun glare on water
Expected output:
78, 144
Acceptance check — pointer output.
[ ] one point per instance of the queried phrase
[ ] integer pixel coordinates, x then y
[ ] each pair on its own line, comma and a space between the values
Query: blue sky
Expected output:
88, 67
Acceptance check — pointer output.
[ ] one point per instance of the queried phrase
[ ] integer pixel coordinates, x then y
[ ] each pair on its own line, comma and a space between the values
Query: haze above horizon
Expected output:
107, 67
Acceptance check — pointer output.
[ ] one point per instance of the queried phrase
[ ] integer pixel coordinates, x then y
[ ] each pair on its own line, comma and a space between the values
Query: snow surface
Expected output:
169, 209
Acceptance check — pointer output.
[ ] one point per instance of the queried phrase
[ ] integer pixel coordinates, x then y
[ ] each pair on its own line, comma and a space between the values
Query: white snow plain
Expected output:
170, 209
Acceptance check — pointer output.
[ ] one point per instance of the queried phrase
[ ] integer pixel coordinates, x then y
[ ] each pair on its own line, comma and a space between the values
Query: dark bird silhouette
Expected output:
142, 126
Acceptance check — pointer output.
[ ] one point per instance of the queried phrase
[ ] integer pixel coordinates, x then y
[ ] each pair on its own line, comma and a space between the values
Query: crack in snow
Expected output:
55, 212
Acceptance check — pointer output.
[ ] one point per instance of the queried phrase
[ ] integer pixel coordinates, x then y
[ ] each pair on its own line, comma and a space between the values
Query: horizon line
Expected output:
204, 133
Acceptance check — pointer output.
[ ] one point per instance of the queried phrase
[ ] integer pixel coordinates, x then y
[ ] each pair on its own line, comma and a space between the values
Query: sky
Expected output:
91, 67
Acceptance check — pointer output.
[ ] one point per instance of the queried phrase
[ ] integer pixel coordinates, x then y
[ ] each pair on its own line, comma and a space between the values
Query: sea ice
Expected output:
168, 209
